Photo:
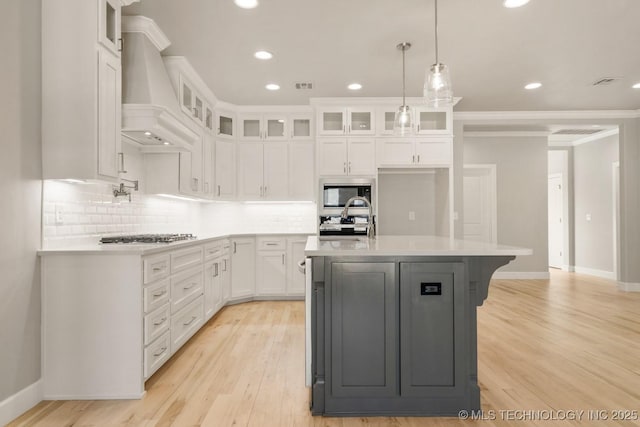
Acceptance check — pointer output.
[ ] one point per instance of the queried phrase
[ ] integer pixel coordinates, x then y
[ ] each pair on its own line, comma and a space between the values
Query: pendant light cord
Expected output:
403, 76
436, 19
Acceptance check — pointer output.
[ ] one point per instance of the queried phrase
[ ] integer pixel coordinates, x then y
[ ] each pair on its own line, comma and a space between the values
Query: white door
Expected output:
225, 170
271, 277
295, 278
479, 210
109, 113
302, 175
556, 232
395, 152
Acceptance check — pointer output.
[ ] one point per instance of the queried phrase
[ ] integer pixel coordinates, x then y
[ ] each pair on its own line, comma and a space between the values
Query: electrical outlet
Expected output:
412, 216
59, 215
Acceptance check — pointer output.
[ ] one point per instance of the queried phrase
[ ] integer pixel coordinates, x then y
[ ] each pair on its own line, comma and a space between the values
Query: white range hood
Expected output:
151, 115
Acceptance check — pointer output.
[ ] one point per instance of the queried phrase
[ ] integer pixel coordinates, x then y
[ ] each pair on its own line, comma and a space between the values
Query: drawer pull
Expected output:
161, 352
190, 321
271, 244
159, 322
189, 286
158, 268
159, 294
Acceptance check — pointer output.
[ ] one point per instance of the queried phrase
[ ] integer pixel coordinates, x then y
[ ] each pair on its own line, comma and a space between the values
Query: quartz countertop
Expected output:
406, 246
147, 248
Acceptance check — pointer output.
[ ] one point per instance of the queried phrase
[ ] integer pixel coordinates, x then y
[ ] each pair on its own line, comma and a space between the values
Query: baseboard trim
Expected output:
593, 272
521, 275
569, 268
629, 287
14, 406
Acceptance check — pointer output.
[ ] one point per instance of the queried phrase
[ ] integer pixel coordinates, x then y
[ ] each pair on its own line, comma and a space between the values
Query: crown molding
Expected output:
366, 100
128, 2
506, 134
545, 115
596, 136
147, 26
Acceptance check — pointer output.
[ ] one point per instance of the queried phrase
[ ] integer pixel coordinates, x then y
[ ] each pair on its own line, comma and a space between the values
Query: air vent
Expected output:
304, 85
576, 131
605, 81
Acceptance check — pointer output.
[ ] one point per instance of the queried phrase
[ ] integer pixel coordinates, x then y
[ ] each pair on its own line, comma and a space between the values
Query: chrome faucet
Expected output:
345, 213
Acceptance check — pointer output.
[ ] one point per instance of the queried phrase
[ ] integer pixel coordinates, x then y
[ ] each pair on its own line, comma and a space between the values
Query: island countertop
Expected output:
407, 246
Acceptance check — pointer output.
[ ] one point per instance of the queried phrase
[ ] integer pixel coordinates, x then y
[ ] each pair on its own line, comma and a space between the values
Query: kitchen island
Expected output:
393, 323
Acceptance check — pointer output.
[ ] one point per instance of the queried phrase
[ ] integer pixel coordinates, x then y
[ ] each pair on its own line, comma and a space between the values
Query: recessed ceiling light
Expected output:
595, 126
165, 143
147, 133
636, 86
263, 54
246, 4
272, 86
514, 3
354, 86
534, 85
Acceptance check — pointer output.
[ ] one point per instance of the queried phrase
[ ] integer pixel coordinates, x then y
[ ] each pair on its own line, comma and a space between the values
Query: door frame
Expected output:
493, 194
563, 260
615, 175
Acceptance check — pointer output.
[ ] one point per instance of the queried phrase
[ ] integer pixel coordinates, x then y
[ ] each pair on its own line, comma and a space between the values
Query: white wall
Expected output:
20, 186
593, 197
521, 172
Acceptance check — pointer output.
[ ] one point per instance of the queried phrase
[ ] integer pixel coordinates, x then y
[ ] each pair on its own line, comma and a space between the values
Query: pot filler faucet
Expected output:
345, 212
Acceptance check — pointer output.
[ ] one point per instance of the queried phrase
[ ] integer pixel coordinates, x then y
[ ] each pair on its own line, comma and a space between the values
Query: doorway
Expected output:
480, 203
556, 220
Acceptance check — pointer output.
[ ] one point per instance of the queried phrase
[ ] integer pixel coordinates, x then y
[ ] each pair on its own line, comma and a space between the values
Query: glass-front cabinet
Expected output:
225, 124
256, 126
346, 121
109, 17
430, 121
301, 126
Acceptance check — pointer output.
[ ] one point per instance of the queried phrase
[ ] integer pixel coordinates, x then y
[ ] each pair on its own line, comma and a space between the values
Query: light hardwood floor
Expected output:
571, 343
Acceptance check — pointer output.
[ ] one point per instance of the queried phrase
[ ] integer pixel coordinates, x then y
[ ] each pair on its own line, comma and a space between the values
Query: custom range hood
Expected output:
151, 115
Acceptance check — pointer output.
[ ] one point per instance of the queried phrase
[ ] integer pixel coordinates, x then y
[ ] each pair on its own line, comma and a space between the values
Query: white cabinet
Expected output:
225, 272
212, 288
271, 266
109, 25
295, 278
302, 177
433, 121
225, 169
208, 162
225, 124
263, 170
301, 126
415, 151
81, 104
243, 264
191, 102
346, 156
263, 127
346, 121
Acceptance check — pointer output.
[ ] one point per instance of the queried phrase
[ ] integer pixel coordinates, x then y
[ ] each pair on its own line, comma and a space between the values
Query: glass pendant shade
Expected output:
402, 124
438, 91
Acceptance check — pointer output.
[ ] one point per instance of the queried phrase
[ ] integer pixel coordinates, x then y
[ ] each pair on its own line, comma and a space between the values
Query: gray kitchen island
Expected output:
392, 323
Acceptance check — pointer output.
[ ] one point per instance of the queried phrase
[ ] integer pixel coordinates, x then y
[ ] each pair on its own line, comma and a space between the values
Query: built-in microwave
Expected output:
334, 194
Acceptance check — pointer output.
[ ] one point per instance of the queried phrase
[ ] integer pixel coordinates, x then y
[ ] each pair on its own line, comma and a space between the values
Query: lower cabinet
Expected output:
271, 271
277, 273
394, 338
243, 261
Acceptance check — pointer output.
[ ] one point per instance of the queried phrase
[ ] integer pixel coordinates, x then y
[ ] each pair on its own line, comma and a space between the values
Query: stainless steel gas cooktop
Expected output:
147, 238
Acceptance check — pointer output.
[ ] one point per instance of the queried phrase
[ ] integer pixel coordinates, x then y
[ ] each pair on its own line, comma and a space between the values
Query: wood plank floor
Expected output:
571, 343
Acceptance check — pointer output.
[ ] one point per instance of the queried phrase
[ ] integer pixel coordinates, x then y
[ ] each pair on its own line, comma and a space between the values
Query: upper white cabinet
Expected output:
302, 177
225, 124
263, 170
263, 127
346, 121
225, 169
346, 156
109, 24
301, 126
433, 121
416, 151
81, 63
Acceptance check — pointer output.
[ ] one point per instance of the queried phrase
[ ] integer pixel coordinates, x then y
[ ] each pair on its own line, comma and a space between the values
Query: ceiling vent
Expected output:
576, 131
304, 85
604, 81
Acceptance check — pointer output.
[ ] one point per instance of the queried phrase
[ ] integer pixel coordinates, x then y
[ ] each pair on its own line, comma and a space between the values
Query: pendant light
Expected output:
402, 124
437, 85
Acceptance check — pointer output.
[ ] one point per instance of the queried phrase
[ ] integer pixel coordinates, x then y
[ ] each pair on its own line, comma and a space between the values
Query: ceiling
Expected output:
492, 51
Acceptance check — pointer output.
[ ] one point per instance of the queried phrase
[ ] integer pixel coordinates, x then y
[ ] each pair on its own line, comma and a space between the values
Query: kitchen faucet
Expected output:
370, 226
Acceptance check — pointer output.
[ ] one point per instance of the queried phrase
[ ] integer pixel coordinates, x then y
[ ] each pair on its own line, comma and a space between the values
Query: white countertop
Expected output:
407, 246
145, 248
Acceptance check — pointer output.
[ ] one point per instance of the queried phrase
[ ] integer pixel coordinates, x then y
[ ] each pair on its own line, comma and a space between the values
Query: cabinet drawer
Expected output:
186, 322
155, 267
156, 323
185, 287
271, 244
156, 295
183, 259
156, 354
213, 250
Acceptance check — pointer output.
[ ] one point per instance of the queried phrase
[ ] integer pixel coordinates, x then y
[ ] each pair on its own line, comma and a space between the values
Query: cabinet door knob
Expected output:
121, 169
120, 44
